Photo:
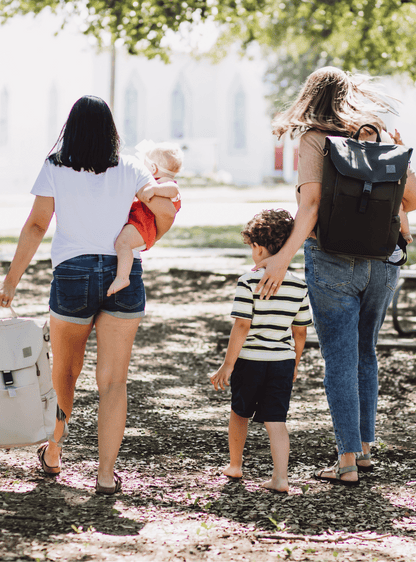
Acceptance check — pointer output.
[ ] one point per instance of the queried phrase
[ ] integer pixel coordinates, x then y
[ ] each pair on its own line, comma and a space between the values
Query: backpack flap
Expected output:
372, 162
21, 341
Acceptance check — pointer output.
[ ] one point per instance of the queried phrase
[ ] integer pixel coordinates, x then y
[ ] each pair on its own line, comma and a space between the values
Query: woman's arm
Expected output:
164, 211
305, 220
409, 196
31, 236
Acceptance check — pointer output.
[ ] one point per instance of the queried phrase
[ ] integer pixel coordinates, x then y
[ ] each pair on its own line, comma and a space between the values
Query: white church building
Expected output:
216, 112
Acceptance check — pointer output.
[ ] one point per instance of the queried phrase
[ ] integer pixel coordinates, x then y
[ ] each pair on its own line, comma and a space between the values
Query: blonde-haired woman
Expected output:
349, 296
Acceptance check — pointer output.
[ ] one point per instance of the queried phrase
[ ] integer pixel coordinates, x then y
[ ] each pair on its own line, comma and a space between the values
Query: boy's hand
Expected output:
295, 374
146, 194
221, 377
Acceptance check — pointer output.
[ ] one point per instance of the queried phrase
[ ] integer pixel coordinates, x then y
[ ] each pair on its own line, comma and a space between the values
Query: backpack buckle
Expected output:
8, 378
367, 189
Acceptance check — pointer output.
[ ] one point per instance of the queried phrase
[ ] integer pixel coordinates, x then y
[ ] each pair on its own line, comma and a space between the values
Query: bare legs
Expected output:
128, 239
237, 435
279, 444
68, 341
115, 337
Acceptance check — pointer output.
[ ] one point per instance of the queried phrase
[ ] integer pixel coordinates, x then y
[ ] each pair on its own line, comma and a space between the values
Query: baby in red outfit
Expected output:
164, 161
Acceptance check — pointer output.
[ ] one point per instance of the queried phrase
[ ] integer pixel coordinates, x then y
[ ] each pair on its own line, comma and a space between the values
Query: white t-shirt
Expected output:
91, 209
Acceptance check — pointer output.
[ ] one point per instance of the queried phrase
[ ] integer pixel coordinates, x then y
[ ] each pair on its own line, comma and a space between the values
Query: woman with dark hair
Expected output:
90, 187
349, 296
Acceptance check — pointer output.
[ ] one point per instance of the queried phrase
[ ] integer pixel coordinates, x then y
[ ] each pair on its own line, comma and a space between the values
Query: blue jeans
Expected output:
79, 290
349, 298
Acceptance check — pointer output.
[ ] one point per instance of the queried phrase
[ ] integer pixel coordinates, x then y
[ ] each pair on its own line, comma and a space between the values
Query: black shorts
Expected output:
262, 388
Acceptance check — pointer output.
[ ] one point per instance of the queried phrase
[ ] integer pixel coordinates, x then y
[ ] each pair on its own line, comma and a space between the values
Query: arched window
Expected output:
4, 117
239, 139
178, 113
131, 113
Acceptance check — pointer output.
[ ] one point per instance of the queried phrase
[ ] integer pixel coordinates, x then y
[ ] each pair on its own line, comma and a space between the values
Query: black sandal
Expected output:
318, 474
48, 470
364, 457
109, 491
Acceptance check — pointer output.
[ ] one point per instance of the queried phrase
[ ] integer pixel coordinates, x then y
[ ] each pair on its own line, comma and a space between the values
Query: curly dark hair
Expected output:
270, 228
89, 139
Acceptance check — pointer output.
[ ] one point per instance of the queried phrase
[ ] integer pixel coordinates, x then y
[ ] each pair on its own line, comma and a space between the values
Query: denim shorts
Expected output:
79, 290
263, 388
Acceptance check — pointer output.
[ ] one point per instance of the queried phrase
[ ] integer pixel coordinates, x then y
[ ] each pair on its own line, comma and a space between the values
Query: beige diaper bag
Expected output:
28, 404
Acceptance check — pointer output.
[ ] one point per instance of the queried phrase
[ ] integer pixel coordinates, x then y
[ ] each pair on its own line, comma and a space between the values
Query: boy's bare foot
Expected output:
118, 284
276, 484
232, 472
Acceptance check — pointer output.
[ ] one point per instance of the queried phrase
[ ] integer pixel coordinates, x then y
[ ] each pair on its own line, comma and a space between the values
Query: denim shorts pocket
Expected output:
392, 276
132, 296
72, 292
331, 270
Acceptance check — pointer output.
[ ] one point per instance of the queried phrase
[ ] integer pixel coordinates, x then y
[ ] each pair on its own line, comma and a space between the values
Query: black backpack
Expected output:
362, 189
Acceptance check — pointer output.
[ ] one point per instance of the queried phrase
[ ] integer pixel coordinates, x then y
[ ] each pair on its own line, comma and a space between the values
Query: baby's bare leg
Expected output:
279, 445
128, 239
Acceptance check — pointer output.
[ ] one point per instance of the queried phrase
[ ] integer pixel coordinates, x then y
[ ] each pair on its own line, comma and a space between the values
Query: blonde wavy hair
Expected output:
333, 100
167, 154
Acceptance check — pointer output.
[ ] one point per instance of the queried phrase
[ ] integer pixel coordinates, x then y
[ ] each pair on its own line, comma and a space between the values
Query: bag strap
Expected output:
401, 242
357, 134
13, 313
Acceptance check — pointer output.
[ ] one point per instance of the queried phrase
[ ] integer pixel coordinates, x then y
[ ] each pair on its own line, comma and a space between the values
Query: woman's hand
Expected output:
275, 272
7, 292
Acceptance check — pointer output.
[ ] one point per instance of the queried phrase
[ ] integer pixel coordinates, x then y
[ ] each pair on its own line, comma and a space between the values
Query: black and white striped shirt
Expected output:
270, 336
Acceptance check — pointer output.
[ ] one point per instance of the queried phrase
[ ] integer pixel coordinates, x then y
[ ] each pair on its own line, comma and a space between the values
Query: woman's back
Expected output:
91, 209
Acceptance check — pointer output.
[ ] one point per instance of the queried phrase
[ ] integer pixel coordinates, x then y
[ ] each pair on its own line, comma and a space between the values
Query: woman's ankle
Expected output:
366, 448
347, 459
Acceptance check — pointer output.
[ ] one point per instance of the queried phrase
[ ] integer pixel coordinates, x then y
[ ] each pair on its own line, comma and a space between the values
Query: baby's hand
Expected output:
220, 378
146, 194
408, 237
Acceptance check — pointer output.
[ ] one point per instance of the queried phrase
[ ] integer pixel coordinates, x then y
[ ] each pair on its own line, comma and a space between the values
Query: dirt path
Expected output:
176, 505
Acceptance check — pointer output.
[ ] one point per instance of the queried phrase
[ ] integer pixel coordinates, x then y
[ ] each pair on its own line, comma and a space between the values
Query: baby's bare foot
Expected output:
276, 484
232, 472
118, 284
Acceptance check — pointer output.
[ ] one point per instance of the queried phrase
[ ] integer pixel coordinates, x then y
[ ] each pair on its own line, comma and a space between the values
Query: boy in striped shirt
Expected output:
264, 350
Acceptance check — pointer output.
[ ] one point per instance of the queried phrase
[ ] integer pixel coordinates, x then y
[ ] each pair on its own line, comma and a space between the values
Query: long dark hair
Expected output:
89, 140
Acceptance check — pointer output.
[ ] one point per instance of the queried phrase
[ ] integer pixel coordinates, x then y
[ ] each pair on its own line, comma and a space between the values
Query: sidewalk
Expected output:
201, 206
